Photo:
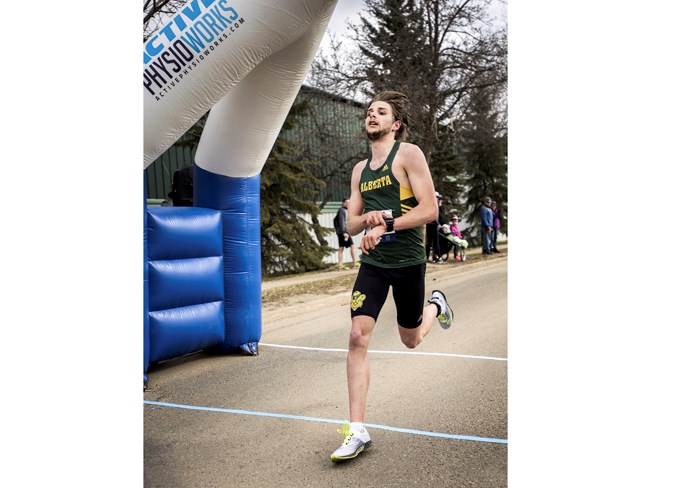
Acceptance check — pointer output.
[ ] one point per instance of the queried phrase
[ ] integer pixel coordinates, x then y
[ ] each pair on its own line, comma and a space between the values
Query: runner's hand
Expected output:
375, 218
372, 238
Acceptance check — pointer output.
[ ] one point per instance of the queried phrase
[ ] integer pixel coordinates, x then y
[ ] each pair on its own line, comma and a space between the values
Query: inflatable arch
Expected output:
243, 61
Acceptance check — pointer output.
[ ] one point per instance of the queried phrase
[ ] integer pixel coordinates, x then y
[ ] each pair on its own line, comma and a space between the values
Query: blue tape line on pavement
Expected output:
330, 421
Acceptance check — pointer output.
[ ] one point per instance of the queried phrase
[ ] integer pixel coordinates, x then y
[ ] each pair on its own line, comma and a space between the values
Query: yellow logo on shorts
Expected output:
357, 300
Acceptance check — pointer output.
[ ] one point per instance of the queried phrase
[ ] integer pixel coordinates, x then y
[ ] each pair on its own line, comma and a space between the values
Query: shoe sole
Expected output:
364, 446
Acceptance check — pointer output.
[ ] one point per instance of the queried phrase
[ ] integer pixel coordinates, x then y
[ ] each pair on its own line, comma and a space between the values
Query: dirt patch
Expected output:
328, 286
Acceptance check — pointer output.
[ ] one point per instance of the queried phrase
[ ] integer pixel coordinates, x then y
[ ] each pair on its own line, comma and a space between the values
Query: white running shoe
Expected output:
446, 316
353, 444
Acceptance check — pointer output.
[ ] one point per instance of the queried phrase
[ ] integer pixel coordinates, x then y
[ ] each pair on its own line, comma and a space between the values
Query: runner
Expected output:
392, 197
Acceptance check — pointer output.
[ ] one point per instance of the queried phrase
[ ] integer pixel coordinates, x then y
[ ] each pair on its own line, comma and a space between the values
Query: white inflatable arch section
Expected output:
243, 61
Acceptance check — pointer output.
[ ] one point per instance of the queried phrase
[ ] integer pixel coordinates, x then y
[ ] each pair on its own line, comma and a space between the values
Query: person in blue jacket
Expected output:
487, 219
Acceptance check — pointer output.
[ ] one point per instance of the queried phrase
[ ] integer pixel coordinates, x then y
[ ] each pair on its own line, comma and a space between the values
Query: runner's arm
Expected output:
421, 183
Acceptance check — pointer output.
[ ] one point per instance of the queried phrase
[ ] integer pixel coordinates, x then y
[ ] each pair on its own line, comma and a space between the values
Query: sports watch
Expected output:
390, 225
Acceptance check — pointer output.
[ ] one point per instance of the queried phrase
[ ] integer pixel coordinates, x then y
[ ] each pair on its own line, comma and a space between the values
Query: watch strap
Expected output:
390, 224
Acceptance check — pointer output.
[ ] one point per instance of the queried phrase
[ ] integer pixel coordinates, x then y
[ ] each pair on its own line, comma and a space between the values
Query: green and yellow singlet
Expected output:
382, 191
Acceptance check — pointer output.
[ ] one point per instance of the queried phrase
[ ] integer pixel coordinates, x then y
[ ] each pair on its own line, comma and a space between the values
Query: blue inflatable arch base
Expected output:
202, 271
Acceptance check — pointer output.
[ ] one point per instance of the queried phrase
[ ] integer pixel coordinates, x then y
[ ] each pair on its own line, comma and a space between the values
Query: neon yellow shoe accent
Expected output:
351, 447
345, 430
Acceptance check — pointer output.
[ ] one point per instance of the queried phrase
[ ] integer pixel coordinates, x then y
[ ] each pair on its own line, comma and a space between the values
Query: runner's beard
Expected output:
376, 135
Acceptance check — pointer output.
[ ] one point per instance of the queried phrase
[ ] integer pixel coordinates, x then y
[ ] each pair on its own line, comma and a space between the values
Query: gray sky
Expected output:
344, 9
349, 8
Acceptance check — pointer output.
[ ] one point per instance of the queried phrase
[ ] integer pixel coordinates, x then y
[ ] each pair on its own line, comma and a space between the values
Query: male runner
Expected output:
392, 197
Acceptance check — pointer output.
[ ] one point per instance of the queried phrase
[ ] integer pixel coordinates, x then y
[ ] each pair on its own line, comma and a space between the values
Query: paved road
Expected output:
271, 420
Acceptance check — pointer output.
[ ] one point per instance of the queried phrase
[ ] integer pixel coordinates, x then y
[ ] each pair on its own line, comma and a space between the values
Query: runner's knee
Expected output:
359, 339
411, 341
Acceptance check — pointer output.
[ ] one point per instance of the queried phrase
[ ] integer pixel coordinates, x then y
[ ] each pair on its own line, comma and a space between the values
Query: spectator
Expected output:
497, 225
487, 220
182, 187
432, 239
455, 232
441, 217
344, 239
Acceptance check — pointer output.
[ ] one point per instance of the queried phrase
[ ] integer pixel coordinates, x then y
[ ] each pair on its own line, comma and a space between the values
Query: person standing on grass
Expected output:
392, 198
345, 241
432, 235
487, 218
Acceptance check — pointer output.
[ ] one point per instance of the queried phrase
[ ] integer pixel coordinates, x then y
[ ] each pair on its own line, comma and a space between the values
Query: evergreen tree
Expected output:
394, 53
484, 142
288, 193
448, 171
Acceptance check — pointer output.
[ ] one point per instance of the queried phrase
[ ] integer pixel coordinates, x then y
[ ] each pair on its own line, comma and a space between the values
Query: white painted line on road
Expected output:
376, 351
330, 421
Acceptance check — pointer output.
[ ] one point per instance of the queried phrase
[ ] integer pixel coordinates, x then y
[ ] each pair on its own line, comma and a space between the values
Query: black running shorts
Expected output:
371, 290
344, 242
